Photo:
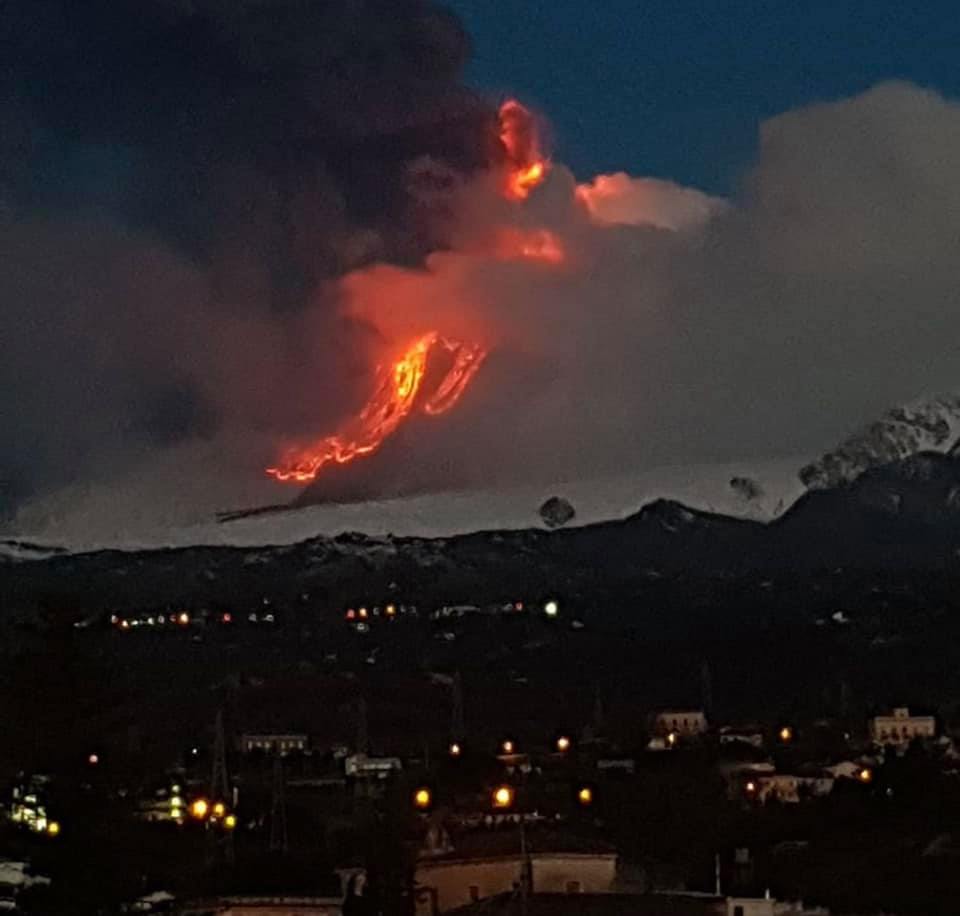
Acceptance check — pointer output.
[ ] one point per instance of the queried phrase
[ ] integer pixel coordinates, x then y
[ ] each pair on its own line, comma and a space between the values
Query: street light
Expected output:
551, 609
200, 808
53, 828
455, 749
503, 797
507, 747
230, 821
422, 799
219, 809
865, 775
585, 796
786, 734
563, 744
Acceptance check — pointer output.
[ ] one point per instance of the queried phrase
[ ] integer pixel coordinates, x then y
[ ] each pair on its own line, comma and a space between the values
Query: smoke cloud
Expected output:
181, 184
686, 329
678, 328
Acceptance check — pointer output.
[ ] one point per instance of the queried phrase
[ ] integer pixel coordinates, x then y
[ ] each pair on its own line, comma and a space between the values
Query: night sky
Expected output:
677, 89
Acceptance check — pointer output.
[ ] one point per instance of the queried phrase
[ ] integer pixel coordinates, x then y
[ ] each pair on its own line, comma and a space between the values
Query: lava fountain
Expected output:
397, 390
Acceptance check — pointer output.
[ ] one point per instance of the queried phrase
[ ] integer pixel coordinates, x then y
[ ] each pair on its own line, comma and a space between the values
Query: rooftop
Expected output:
598, 905
504, 841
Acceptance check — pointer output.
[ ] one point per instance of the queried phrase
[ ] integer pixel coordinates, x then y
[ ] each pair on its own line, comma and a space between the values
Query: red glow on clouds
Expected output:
397, 389
527, 164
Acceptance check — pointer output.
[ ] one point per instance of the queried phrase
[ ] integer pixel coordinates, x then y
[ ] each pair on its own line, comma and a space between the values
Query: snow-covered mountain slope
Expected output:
16, 551
757, 490
930, 425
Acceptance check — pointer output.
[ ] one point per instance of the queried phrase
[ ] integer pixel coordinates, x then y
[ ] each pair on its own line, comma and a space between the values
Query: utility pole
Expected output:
706, 689
526, 873
220, 842
457, 728
219, 782
363, 733
278, 808
597, 711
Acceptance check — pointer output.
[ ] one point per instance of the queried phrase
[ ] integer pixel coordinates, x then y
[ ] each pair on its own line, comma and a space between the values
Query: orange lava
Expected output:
398, 385
527, 164
393, 399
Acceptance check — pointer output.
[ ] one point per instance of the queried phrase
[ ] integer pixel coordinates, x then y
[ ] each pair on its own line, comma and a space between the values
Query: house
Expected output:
481, 864
899, 728
687, 723
278, 905
360, 766
751, 737
281, 743
788, 788
667, 904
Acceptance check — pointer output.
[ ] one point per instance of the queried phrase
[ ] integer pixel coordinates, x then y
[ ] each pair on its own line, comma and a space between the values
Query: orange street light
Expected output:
422, 799
563, 744
786, 734
503, 797
507, 747
200, 808
219, 809
865, 775
230, 821
585, 796
455, 749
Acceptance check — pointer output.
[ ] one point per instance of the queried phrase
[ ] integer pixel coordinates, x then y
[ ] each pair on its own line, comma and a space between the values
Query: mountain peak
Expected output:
931, 425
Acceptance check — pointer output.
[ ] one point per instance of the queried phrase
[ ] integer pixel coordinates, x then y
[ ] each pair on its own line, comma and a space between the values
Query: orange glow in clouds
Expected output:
399, 382
527, 164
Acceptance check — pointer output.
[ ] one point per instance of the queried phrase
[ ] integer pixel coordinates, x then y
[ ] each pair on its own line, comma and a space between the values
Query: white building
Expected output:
486, 863
274, 743
360, 766
686, 723
900, 728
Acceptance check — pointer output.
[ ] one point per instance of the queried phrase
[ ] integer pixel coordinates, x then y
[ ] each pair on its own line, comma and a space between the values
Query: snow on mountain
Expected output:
16, 551
931, 425
759, 490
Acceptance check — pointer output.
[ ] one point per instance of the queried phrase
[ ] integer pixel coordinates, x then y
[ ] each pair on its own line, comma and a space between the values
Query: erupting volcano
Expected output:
398, 390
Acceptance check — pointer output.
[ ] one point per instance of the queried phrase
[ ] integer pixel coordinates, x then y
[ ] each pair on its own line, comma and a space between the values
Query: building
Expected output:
484, 863
685, 723
28, 805
668, 904
900, 728
788, 788
282, 744
360, 766
750, 737
279, 905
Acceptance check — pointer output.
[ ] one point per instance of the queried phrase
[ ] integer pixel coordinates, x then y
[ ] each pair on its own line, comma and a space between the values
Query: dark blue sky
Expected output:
677, 88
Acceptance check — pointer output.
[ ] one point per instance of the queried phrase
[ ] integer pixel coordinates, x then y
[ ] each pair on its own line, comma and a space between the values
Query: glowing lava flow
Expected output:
398, 385
392, 400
